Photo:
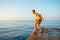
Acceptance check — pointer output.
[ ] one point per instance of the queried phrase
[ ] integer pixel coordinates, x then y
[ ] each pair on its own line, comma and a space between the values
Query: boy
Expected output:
38, 20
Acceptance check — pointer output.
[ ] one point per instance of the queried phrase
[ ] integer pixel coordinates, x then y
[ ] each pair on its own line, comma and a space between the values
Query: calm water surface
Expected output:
21, 30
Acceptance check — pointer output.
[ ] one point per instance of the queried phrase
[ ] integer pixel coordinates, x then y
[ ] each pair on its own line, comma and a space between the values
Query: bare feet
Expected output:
40, 30
34, 31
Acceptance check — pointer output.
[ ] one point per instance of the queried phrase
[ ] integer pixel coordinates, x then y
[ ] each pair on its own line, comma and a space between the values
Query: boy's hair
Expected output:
33, 10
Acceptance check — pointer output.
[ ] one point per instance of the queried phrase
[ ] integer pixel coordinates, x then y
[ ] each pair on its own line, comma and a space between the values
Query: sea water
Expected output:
22, 29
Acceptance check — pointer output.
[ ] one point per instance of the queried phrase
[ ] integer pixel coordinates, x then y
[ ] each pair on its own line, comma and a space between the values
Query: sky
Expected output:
22, 9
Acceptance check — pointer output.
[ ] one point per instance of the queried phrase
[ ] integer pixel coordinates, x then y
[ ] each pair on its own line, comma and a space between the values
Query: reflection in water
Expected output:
44, 35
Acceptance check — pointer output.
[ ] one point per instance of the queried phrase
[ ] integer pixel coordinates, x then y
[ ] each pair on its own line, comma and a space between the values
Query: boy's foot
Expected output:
41, 31
34, 31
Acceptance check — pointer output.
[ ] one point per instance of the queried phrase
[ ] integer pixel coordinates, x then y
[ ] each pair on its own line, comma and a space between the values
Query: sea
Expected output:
22, 29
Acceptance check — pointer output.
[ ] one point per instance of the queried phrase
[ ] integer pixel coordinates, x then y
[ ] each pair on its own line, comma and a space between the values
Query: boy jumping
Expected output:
38, 20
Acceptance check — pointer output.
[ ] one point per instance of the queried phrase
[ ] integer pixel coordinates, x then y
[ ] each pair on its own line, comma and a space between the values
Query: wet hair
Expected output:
33, 10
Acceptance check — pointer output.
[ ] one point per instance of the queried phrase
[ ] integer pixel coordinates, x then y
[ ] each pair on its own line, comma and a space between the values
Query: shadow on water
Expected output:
46, 34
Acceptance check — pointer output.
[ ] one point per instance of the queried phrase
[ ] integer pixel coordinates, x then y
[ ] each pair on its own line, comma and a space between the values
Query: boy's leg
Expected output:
35, 25
38, 24
39, 27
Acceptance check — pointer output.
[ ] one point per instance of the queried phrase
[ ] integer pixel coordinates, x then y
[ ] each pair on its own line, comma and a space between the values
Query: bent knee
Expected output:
35, 23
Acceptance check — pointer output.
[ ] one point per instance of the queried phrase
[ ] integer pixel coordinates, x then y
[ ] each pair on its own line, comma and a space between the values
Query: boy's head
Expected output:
33, 11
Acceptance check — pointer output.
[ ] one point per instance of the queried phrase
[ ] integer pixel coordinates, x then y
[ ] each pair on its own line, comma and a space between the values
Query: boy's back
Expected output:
38, 16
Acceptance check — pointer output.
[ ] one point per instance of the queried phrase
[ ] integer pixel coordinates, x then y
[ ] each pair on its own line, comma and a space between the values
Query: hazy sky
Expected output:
21, 9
